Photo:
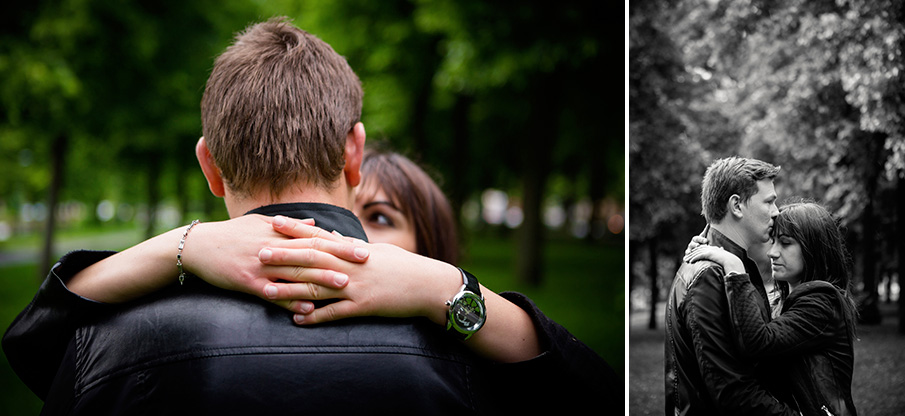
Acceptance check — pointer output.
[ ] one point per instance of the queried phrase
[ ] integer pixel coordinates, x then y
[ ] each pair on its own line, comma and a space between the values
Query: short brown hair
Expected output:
729, 176
418, 197
277, 108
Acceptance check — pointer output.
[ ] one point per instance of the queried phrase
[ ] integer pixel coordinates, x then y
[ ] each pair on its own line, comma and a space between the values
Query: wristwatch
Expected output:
467, 313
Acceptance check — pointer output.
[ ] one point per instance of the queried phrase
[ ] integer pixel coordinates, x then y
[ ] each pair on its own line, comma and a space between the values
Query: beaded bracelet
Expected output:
181, 246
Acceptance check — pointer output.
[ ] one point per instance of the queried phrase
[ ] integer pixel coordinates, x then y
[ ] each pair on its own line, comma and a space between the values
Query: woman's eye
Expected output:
380, 219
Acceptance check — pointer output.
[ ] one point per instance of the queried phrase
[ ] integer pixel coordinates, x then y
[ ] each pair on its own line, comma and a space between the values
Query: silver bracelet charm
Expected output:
181, 246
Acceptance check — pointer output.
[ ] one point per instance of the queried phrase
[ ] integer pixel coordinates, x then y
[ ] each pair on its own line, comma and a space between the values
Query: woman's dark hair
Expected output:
822, 247
418, 197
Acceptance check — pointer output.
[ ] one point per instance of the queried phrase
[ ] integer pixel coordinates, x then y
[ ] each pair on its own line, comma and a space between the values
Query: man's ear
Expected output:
355, 147
735, 206
210, 169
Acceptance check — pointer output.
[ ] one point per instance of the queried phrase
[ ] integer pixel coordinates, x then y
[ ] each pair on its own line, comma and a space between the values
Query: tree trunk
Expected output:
654, 288
461, 161
540, 137
423, 91
153, 193
182, 184
58, 161
632, 255
869, 308
530, 253
900, 246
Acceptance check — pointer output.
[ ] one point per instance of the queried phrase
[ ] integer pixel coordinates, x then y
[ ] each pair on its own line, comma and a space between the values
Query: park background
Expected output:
815, 86
502, 101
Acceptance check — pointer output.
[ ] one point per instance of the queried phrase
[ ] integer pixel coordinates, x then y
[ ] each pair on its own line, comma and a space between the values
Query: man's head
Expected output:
277, 110
738, 193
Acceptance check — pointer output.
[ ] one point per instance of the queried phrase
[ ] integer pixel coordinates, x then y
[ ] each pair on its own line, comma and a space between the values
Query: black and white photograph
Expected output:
766, 158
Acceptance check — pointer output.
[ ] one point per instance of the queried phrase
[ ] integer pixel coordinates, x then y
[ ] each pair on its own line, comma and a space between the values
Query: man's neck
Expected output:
731, 233
339, 195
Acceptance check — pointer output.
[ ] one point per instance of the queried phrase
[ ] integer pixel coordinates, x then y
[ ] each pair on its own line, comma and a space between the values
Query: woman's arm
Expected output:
799, 328
304, 263
804, 326
397, 283
225, 254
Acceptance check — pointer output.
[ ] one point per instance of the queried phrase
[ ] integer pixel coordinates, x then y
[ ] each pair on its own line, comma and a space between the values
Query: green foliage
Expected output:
123, 81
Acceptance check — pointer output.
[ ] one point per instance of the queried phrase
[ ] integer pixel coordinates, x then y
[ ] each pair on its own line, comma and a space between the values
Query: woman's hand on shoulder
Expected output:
696, 241
728, 261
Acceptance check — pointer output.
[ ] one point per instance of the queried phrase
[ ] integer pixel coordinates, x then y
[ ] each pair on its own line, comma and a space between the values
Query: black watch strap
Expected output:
470, 282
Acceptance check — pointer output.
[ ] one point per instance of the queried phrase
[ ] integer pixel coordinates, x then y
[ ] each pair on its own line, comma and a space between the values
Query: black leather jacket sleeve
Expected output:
805, 327
36, 340
582, 370
727, 376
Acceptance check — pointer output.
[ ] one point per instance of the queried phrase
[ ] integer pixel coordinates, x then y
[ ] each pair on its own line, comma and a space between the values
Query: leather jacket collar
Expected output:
328, 217
719, 239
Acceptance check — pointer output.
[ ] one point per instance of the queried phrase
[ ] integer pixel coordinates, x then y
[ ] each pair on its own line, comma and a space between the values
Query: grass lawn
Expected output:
876, 388
583, 290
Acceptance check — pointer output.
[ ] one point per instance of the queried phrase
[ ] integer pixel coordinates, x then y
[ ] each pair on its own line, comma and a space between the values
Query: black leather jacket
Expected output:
197, 349
705, 373
810, 338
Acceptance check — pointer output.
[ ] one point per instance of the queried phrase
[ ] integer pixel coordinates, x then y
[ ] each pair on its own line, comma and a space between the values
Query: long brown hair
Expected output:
418, 197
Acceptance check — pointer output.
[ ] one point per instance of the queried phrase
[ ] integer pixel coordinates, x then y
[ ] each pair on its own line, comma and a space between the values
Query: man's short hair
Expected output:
277, 108
729, 176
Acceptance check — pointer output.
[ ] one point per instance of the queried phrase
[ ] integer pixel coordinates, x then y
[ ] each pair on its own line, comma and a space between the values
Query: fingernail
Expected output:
306, 307
299, 319
265, 255
337, 233
279, 220
361, 253
270, 291
340, 279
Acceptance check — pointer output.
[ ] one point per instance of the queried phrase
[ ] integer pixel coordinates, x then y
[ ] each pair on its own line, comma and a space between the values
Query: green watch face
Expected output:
467, 312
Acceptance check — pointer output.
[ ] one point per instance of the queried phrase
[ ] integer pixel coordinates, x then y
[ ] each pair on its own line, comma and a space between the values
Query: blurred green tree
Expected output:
118, 85
488, 94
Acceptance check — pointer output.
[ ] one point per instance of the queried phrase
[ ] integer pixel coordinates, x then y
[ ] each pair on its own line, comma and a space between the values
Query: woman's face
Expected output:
383, 221
786, 258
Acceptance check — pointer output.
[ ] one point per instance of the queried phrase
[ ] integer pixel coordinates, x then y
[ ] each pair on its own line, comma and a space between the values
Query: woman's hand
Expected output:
698, 240
392, 282
728, 261
227, 255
